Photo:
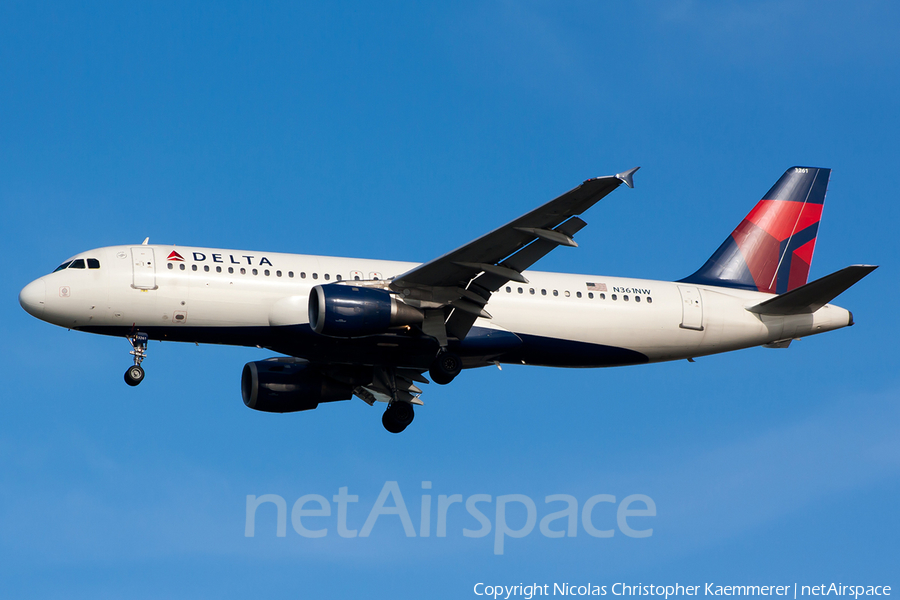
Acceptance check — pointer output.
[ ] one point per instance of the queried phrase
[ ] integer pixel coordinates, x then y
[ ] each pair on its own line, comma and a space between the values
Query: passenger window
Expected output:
625, 297
277, 273
206, 268
302, 275
649, 300
266, 272
231, 270
291, 273
315, 275
603, 296
181, 266
327, 276
62, 266
255, 272
567, 293
93, 263
171, 266
637, 298
338, 277
531, 291
543, 292
556, 292
218, 269
193, 267
578, 294
77, 264
521, 290
591, 295
614, 297
508, 290
243, 271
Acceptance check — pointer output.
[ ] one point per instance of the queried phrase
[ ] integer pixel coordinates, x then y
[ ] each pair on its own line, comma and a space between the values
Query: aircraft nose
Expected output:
32, 297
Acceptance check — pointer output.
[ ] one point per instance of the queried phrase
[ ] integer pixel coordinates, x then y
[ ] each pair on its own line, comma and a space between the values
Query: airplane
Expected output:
350, 327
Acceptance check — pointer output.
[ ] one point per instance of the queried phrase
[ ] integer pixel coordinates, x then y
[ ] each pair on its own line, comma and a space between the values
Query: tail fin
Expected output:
771, 250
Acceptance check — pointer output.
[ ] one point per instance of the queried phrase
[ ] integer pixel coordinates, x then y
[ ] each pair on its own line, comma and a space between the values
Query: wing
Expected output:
455, 288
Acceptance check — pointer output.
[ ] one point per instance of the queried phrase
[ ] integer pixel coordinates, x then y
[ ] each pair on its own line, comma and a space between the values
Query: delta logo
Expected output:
217, 258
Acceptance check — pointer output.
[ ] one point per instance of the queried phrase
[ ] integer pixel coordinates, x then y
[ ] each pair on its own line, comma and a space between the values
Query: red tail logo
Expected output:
771, 250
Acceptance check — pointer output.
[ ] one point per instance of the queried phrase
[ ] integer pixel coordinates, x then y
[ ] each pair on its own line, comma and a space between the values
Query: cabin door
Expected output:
691, 308
143, 263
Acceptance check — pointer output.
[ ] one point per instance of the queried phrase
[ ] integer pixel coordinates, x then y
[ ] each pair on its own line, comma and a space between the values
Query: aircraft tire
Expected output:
398, 416
445, 368
134, 375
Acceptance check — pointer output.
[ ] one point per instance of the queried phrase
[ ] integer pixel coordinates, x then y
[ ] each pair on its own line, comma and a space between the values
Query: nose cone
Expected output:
33, 296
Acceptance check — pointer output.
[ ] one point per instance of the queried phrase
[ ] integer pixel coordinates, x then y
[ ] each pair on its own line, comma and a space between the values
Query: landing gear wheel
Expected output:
398, 416
134, 375
445, 368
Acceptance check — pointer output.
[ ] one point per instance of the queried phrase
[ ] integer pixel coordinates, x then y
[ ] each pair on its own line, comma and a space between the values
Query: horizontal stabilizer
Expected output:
811, 297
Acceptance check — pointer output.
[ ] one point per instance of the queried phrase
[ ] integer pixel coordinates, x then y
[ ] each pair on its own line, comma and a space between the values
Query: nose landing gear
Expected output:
135, 373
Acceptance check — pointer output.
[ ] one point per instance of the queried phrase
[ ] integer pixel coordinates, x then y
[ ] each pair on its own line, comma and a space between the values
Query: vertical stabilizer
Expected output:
772, 249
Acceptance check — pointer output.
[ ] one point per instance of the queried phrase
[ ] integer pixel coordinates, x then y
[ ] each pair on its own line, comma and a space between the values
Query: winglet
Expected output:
627, 177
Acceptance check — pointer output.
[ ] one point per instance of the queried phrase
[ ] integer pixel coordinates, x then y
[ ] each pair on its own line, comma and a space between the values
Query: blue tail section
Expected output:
771, 250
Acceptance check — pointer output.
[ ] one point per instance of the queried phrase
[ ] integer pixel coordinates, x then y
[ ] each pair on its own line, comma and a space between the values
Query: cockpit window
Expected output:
92, 263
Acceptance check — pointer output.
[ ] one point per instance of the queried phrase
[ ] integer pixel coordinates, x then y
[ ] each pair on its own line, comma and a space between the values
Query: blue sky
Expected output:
400, 131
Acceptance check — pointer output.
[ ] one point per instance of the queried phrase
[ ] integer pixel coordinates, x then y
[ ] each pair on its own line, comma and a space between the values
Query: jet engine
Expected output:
283, 385
348, 311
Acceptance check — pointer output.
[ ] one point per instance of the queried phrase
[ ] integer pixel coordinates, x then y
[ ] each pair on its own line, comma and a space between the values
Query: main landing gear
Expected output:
135, 373
398, 416
400, 412
445, 368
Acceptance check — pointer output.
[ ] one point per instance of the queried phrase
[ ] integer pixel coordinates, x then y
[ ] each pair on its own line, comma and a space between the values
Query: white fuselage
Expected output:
223, 291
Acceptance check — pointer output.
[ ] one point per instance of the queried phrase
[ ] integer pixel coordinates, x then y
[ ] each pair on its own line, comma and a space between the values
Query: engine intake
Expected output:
348, 311
283, 385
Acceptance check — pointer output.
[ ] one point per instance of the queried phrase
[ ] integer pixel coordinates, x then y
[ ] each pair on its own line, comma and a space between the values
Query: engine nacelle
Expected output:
283, 385
349, 311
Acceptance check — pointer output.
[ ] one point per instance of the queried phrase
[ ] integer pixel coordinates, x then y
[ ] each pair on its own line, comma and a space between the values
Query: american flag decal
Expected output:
596, 287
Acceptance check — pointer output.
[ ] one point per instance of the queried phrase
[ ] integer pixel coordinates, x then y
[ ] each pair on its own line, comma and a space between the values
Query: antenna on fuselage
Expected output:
146, 241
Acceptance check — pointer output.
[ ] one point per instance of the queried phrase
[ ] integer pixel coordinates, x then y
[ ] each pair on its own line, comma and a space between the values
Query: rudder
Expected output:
771, 250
